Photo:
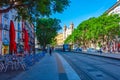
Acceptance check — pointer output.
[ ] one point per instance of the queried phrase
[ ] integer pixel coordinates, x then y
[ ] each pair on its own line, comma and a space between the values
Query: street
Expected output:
68, 66
59, 39
90, 67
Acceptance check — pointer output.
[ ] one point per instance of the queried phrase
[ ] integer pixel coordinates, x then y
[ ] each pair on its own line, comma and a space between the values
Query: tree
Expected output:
74, 37
47, 30
54, 42
30, 9
97, 30
69, 39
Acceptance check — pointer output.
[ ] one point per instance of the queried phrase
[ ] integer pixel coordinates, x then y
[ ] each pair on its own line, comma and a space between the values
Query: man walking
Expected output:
50, 51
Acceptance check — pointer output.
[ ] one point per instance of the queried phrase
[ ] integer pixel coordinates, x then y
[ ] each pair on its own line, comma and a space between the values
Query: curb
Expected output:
98, 55
70, 72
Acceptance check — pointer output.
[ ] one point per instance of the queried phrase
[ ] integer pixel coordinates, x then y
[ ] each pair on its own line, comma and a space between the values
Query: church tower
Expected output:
64, 32
72, 26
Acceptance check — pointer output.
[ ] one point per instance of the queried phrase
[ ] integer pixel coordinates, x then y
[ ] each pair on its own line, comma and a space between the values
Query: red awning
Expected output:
12, 35
26, 40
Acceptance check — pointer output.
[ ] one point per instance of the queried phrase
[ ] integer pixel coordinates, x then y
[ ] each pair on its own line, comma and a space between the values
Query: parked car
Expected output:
99, 50
91, 50
78, 49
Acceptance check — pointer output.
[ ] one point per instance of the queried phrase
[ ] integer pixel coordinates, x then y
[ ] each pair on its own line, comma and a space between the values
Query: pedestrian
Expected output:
50, 51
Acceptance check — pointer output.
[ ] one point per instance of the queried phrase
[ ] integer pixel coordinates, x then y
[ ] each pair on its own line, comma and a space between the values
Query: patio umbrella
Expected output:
12, 36
26, 40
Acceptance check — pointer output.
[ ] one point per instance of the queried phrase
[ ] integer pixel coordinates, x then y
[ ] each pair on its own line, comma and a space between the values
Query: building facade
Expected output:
61, 37
19, 40
37, 45
19, 25
67, 31
31, 32
115, 9
0, 33
5, 32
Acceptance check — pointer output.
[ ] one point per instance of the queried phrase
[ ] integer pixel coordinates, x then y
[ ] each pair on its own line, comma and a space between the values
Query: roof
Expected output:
113, 7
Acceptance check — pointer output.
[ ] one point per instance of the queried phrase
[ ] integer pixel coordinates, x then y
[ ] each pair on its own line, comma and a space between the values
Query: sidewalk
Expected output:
49, 68
108, 55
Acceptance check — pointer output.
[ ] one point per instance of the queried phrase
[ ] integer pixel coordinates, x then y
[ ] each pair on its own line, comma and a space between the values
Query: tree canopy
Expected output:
30, 9
96, 29
47, 30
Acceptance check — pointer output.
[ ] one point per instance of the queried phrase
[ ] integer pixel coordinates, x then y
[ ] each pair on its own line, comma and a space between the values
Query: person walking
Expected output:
50, 51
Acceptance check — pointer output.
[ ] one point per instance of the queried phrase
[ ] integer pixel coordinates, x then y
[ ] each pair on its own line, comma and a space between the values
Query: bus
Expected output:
66, 47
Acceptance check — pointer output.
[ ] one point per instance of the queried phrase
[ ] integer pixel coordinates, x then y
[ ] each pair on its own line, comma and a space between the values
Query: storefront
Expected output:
1, 33
0, 39
5, 42
5, 33
5, 47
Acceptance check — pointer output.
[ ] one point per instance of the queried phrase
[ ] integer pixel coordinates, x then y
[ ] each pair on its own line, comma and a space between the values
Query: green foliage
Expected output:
54, 42
69, 39
46, 30
95, 29
31, 9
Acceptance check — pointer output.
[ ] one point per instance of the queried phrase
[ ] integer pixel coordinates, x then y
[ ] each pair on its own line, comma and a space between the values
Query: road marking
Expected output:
71, 74
61, 71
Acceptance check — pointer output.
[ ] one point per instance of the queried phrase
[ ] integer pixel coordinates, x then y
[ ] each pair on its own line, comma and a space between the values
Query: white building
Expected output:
67, 31
115, 9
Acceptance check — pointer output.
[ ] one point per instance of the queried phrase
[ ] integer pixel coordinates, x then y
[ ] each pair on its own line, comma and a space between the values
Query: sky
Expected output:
80, 10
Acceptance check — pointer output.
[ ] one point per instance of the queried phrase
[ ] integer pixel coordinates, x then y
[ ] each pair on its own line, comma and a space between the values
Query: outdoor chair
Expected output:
21, 63
2, 66
28, 60
1, 63
10, 60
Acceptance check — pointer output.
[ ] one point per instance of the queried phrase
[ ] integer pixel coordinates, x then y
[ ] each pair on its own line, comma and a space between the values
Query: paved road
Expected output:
90, 67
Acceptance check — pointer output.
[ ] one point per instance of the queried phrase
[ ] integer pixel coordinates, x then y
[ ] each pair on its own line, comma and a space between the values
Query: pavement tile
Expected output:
46, 69
53, 67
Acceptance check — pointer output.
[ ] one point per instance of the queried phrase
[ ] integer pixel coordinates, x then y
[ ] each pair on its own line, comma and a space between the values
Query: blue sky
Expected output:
80, 10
